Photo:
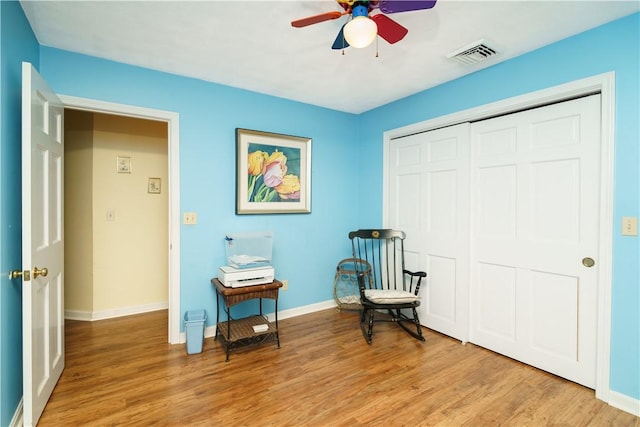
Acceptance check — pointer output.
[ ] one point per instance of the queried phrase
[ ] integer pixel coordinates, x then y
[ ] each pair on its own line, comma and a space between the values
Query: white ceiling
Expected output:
251, 44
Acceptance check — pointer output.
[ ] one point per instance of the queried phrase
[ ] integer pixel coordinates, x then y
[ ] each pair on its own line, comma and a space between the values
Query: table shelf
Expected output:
243, 328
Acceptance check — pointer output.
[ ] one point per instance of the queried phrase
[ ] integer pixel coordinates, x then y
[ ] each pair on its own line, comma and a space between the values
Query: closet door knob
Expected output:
588, 262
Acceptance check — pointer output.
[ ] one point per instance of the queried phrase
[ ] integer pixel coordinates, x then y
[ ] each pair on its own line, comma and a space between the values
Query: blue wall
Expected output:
307, 247
345, 148
612, 47
17, 44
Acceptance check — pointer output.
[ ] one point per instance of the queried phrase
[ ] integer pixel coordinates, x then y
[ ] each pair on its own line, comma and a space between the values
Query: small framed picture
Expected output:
153, 186
123, 164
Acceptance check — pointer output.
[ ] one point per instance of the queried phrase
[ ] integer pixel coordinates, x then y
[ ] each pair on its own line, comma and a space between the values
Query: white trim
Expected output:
306, 309
603, 83
18, 416
116, 312
172, 120
624, 402
605, 273
599, 83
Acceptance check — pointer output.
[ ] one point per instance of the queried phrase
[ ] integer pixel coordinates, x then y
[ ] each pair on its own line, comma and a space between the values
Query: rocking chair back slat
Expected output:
384, 256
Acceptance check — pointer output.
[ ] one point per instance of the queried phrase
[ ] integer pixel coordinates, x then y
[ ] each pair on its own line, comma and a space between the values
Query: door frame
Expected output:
603, 84
172, 120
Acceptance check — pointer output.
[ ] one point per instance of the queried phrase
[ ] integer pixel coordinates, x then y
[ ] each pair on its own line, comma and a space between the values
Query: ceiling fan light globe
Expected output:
360, 32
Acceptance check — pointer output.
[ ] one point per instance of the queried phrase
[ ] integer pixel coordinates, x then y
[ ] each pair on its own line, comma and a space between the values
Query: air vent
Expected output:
473, 53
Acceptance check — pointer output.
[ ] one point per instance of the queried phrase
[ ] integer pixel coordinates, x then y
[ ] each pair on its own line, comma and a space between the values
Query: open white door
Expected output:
42, 243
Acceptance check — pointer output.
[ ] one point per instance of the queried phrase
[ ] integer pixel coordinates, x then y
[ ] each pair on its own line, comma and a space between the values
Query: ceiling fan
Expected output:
362, 27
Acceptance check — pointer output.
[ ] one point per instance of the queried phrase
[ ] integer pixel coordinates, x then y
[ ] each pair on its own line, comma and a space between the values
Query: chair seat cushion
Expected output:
384, 296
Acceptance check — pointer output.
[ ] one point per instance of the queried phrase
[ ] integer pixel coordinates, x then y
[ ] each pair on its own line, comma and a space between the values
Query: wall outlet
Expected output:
285, 285
629, 226
190, 218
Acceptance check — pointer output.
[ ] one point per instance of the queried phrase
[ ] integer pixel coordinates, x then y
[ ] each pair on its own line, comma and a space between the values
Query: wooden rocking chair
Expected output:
384, 282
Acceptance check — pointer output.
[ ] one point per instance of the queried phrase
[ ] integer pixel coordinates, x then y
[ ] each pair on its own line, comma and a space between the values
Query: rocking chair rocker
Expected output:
384, 282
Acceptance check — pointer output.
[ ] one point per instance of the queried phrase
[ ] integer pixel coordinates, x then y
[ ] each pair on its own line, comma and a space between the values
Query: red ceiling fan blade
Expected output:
299, 23
395, 6
389, 29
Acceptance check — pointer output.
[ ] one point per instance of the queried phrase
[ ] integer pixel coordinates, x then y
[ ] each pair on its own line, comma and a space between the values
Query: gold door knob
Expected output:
40, 272
588, 262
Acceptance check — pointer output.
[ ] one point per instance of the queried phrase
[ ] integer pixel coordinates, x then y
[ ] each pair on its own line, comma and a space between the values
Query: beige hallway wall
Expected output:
129, 224
78, 216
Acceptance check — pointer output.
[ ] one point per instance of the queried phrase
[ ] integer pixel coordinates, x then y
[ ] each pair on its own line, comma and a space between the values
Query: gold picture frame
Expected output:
154, 186
123, 164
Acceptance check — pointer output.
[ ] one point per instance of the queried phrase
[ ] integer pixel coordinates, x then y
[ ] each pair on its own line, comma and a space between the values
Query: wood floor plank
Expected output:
122, 372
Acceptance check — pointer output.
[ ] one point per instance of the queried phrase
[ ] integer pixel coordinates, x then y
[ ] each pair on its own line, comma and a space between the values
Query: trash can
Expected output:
194, 321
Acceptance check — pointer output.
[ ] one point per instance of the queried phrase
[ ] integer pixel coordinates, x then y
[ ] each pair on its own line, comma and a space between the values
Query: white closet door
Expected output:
428, 198
535, 195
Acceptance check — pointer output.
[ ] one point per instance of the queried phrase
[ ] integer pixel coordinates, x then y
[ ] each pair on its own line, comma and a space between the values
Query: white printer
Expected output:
249, 260
236, 278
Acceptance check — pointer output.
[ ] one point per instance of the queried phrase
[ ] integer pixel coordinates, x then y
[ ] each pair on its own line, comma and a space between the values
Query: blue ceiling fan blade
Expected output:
340, 42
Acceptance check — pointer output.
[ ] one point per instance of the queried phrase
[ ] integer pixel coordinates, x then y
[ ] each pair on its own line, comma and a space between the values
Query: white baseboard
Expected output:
17, 420
210, 331
306, 309
624, 402
116, 312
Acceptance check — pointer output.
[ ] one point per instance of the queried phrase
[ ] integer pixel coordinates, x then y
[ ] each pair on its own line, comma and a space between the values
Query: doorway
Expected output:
116, 215
172, 187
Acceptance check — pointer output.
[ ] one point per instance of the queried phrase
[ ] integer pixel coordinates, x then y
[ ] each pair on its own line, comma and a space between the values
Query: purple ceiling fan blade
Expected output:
395, 6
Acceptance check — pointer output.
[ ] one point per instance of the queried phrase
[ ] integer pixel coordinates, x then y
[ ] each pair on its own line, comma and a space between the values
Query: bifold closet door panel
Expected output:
428, 198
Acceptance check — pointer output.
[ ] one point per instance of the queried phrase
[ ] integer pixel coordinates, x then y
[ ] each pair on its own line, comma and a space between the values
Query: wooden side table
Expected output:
239, 332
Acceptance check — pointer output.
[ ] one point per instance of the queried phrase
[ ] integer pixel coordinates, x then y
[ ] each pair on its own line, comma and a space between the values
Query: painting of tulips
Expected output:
274, 173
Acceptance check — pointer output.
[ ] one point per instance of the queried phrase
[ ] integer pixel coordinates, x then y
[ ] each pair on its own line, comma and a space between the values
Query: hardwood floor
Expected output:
122, 372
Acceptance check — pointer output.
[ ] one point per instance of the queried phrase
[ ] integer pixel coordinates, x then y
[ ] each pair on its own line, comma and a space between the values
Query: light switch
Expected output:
111, 215
190, 218
629, 225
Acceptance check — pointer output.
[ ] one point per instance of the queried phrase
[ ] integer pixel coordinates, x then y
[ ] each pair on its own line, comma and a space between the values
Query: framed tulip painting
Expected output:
273, 173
